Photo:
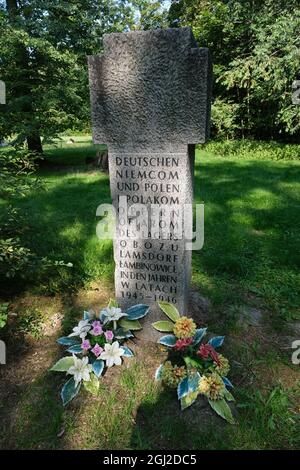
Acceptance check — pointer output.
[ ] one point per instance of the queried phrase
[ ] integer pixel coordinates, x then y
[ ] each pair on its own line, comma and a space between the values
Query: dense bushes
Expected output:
255, 51
257, 150
17, 261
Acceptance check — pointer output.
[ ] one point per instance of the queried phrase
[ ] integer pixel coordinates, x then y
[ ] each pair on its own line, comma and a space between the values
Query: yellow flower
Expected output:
184, 328
172, 375
212, 386
203, 385
223, 367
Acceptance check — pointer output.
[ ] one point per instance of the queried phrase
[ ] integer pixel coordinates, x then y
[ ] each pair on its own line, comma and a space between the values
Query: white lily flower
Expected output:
112, 354
81, 329
81, 370
112, 314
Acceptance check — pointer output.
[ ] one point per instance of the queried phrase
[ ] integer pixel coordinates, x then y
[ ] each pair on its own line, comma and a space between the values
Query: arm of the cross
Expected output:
151, 86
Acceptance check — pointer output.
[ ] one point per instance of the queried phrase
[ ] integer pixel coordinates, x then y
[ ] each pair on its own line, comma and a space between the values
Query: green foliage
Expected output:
271, 412
17, 260
3, 314
224, 116
13, 257
149, 14
255, 49
29, 322
16, 167
252, 149
43, 49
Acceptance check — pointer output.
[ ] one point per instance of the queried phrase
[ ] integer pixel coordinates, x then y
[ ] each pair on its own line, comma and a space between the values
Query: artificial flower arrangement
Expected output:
193, 368
96, 344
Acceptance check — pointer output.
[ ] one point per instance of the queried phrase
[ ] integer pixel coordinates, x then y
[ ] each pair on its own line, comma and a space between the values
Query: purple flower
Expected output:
97, 329
97, 350
109, 335
86, 345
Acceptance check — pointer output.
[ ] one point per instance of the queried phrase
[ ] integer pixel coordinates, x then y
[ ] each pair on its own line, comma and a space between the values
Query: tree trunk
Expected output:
34, 143
12, 7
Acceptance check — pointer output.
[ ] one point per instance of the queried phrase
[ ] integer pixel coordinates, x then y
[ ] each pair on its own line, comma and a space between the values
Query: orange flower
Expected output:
184, 328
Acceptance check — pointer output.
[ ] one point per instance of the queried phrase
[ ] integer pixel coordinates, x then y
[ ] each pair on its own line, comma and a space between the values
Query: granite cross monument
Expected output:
150, 98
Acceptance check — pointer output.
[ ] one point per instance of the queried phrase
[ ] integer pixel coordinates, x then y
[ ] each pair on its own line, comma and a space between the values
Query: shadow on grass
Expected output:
31, 413
251, 231
161, 425
251, 224
252, 240
62, 221
61, 157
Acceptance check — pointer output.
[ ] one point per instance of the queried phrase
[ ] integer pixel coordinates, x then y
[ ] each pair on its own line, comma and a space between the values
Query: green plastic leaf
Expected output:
200, 332
164, 326
102, 315
75, 349
227, 382
64, 364
183, 388
217, 341
188, 400
92, 385
137, 311
167, 340
120, 333
89, 314
127, 351
130, 324
98, 367
222, 409
69, 391
229, 396
193, 382
112, 303
169, 310
67, 341
158, 372
190, 362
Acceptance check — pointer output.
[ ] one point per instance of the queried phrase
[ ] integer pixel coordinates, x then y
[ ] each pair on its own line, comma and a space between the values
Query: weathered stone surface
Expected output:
150, 87
150, 96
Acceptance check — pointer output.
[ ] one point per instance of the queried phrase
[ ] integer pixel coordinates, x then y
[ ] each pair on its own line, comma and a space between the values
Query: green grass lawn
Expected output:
250, 258
252, 232
252, 226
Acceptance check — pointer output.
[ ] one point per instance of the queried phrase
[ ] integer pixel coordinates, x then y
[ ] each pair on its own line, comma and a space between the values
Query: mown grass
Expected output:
252, 232
133, 412
250, 258
252, 227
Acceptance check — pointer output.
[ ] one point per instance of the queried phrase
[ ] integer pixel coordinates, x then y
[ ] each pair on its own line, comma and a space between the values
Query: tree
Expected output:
150, 14
43, 49
255, 47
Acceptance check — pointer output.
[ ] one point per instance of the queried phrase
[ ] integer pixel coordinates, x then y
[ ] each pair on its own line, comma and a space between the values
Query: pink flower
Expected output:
97, 329
97, 350
86, 345
109, 335
183, 343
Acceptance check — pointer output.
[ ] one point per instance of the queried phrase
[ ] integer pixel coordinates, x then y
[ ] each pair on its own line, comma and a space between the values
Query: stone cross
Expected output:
150, 98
